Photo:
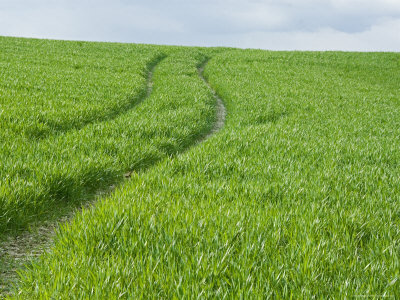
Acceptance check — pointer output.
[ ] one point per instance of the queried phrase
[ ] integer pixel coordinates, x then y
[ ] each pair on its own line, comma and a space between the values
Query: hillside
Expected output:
297, 195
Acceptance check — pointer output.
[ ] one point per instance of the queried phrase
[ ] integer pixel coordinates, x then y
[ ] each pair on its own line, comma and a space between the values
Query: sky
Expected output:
348, 25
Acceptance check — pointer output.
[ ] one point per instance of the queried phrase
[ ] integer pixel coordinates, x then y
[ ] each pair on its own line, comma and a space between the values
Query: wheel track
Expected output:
18, 250
220, 107
113, 113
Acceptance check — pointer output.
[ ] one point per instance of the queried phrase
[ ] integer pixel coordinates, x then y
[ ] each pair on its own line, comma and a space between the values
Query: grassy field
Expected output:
90, 147
297, 196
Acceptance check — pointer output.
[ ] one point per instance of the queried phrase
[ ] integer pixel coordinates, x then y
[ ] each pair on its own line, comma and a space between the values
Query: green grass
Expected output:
39, 174
298, 195
48, 87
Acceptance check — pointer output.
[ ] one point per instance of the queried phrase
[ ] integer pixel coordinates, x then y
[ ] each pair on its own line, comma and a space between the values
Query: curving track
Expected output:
18, 250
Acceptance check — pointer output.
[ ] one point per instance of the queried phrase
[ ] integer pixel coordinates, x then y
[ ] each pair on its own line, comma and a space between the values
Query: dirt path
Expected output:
221, 110
18, 251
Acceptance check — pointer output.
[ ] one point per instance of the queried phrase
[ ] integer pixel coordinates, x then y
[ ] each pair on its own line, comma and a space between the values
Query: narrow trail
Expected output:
220, 107
19, 250
135, 101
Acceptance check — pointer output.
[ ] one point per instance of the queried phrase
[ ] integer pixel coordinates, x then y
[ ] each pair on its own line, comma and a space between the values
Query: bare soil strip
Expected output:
221, 110
18, 251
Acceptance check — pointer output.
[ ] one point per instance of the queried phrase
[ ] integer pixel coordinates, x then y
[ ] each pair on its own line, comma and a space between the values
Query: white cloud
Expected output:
256, 15
372, 6
272, 24
381, 37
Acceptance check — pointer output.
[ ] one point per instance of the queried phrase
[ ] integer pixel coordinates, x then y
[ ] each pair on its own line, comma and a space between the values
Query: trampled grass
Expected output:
297, 196
37, 174
48, 86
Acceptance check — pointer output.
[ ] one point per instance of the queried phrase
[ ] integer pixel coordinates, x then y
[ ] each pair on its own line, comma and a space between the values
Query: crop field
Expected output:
297, 195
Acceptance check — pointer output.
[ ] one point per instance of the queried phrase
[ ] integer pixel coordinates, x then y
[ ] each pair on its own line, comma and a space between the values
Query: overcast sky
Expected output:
355, 25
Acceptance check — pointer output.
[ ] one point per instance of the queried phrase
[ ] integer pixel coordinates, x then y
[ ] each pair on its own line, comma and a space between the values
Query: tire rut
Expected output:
19, 250
220, 107
114, 114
